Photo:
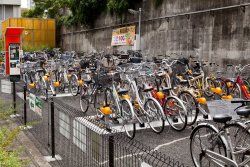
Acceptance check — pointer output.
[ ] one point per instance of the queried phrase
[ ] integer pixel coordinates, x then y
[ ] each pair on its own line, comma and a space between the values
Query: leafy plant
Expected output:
31, 48
158, 3
1, 45
86, 11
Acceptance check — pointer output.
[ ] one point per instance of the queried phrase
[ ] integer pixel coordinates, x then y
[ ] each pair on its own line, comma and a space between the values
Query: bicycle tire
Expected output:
84, 104
73, 85
240, 138
171, 110
236, 92
44, 89
191, 106
154, 115
215, 141
127, 117
61, 81
207, 90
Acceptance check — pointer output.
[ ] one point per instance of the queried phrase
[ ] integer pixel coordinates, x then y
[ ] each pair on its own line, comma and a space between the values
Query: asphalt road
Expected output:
170, 142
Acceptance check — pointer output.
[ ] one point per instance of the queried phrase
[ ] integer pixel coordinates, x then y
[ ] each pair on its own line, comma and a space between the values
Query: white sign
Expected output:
6, 86
35, 104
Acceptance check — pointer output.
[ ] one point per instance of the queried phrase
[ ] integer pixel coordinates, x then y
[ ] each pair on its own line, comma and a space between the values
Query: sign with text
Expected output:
124, 36
35, 104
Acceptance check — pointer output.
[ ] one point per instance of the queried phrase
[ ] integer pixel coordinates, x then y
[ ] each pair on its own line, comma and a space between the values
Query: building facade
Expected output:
8, 9
30, 4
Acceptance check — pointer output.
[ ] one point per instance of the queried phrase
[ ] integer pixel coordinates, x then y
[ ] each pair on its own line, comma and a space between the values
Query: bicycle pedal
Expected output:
108, 129
205, 116
175, 120
115, 121
142, 125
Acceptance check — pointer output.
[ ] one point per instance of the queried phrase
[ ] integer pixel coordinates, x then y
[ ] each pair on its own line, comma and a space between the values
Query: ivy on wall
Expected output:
83, 12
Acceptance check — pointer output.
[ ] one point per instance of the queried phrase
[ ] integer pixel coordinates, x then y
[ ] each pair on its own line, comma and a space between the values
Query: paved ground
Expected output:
171, 143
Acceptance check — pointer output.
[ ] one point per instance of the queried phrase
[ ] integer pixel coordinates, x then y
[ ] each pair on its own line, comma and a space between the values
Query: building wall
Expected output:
9, 9
217, 36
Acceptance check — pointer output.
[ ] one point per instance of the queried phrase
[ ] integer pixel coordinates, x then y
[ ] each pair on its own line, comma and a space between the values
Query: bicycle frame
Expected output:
138, 99
220, 160
239, 81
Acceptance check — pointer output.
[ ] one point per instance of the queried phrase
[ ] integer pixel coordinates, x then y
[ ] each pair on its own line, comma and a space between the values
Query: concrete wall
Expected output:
217, 36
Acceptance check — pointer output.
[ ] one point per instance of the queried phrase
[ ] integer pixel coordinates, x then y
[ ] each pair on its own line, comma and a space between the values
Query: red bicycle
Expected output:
173, 107
237, 87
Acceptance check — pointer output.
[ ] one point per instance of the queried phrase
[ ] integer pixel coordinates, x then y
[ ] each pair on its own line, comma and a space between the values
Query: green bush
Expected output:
1, 45
31, 48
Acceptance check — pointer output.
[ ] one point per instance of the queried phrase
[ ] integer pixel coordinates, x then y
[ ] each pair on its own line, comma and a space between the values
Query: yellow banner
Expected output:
124, 36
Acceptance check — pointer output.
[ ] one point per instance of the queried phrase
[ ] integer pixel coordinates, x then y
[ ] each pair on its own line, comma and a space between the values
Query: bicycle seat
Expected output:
160, 74
166, 89
196, 74
39, 70
71, 70
122, 91
222, 118
147, 88
183, 81
243, 112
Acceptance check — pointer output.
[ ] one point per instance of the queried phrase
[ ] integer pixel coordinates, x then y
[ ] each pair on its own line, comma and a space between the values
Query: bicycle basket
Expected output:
104, 79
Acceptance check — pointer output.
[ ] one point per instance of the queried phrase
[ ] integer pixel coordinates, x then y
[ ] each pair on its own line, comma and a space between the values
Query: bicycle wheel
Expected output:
44, 89
61, 81
176, 113
191, 105
99, 101
84, 99
203, 138
127, 118
240, 139
73, 85
210, 84
155, 115
235, 91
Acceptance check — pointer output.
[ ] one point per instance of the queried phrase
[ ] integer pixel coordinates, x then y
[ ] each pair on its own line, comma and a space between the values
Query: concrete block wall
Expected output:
217, 36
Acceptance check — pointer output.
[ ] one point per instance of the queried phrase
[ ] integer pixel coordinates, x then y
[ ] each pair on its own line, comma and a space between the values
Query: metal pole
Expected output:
25, 106
111, 151
52, 129
140, 28
14, 97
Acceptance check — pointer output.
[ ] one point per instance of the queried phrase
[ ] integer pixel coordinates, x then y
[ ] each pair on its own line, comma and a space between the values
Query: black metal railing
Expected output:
77, 140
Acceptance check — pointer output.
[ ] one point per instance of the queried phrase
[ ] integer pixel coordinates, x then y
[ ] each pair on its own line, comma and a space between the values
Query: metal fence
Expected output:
76, 140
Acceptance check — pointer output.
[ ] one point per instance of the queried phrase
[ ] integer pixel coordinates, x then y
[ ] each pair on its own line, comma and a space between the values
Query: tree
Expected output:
52, 6
86, 11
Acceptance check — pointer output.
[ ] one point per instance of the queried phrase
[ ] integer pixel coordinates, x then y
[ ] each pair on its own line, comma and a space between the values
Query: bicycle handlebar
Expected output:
239, 68
240, 101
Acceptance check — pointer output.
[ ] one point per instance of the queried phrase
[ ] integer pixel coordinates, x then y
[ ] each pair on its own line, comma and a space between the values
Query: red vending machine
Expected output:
13, 48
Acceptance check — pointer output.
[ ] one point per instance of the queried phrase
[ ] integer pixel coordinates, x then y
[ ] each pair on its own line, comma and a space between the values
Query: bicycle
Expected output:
147, 108
227, 145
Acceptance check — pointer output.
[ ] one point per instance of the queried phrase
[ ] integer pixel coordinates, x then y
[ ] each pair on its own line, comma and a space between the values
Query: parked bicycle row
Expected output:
127, 90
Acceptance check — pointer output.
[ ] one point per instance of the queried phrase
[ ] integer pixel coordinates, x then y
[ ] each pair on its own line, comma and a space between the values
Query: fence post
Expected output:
14, 97
111, 151
25, 105
52, 129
